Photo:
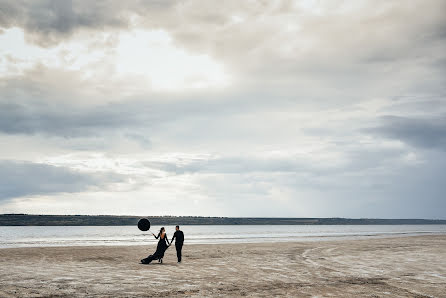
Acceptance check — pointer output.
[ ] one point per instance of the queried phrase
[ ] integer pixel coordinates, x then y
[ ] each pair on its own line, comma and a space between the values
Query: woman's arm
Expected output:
167, 240
156, 237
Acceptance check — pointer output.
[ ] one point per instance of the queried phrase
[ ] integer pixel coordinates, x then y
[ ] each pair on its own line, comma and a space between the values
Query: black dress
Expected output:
163, 244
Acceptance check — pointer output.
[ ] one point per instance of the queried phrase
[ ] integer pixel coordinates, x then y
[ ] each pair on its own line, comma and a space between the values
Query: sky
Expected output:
233, 108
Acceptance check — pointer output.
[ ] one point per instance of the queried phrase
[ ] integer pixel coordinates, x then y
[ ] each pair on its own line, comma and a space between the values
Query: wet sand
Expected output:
393, 267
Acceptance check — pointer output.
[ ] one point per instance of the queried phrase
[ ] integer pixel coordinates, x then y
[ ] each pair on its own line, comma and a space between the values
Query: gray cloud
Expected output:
20, 178
357, 160
49, 21
420, 132
42, 109
61, 120
389, 188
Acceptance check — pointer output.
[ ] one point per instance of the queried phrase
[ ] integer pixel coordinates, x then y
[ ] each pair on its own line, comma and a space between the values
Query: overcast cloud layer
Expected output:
275, 108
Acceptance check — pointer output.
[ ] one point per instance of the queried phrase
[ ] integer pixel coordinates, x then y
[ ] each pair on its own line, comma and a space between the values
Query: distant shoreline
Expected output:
115, 220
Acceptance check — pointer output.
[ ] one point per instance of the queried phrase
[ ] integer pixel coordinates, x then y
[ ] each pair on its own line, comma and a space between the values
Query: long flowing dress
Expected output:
163, 244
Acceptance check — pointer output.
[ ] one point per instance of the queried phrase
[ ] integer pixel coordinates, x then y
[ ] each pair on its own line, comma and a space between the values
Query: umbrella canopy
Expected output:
144, 224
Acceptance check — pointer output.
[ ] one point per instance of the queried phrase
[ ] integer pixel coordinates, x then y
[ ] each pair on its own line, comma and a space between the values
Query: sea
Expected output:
42, 236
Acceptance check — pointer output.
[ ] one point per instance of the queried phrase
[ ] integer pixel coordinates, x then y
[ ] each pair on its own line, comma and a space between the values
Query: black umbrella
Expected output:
144, 224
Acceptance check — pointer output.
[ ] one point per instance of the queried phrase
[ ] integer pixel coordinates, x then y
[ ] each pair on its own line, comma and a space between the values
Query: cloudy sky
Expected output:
234, 108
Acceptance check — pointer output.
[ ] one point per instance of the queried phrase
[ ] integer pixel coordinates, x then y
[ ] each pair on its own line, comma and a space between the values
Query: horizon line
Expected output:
202, 216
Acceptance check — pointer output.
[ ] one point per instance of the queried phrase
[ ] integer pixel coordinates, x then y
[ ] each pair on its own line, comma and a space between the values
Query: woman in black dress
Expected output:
163, 244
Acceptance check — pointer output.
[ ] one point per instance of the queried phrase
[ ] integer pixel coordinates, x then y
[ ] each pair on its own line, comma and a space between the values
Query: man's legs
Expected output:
179, 247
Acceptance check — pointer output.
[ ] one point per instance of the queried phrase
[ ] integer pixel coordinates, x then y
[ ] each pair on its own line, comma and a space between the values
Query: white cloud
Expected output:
146, 60
152, 56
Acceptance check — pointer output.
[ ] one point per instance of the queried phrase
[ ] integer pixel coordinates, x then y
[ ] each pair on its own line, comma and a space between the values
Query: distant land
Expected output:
113, 220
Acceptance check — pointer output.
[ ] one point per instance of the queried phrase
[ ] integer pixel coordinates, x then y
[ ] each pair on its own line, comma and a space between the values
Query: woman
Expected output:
163, 244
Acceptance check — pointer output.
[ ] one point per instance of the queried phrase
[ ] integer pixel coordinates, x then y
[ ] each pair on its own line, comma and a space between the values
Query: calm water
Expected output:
130, 235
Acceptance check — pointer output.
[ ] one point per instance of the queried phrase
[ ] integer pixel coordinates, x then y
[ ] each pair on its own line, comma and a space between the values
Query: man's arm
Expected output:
174, 235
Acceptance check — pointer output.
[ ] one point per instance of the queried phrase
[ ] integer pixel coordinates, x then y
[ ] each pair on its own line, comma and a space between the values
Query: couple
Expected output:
163, 244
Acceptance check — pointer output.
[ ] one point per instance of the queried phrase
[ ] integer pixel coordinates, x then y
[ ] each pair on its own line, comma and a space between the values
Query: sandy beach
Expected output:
393, 267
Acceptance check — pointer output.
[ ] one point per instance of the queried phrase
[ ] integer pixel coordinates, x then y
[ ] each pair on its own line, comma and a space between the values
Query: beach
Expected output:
379, 267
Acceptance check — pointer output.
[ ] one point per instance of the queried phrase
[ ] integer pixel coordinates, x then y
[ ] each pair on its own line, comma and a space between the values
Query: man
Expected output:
179, 240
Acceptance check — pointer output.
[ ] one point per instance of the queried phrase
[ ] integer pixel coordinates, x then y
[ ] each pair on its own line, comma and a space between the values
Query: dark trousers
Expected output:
179, 247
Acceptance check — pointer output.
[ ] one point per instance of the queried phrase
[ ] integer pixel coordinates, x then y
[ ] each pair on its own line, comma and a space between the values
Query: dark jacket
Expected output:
179, 236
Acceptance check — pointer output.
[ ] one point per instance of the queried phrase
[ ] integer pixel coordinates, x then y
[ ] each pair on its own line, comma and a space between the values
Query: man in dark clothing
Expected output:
179, 240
